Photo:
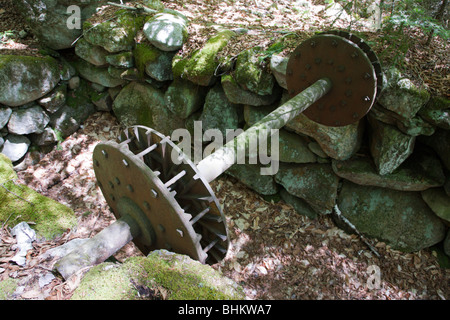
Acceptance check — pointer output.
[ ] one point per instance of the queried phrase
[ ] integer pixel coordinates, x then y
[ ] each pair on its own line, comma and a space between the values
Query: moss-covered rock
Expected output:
250, 75
153, 62
96, 74
24, 79
250, 175
218, 112
22, 203
184, 97
116, 34
420, 172
315, 183
7, 287
91, 53
401, 219
159, 276
141, 104
121, 60
238, 95
438, 201
201, 66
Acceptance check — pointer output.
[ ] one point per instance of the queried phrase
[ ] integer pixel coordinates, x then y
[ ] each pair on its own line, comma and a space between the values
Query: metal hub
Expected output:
179, 209
347, 66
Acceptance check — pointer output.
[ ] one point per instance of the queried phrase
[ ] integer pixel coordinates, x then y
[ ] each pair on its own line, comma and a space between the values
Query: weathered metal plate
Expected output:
184, 213
350, 71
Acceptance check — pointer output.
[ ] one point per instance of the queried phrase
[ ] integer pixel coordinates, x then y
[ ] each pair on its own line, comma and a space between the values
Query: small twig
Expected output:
348, 223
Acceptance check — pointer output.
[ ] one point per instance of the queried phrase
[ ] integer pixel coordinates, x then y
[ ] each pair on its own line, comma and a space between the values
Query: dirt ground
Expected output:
275, 253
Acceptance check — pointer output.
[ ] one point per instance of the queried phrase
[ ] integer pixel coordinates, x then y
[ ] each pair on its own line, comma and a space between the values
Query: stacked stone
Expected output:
387, 174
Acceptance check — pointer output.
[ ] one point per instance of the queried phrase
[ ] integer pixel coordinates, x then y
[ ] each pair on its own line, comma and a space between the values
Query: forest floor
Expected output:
275, 253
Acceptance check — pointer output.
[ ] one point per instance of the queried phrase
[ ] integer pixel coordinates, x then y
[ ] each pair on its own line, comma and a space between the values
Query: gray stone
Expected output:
97, 74
24, 79
401, 219
438, 201
93, 54
278, 66
300, 205
5, 114
77, 109
315, 183
183, 98
250, 75
103, 101
27, 121
55, 99
402, 96
47, 137
218, 112
420, 172
238, 95
250, 175
161, 68
166, 31
389, 146
141, 104
15, 147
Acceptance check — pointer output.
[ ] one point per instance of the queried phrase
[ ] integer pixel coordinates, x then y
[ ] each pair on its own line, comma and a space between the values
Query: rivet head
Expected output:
318, 61
341, 68
367, 76
344, 103
334, 43
117, 181
161, 228
313, 44
348, 80
348, 93
367, 99
111, 185
308, 66
302, 76
97, 164
125, 163
298, 55
355, 115
330, 62
146, 205
290, 72
105, 154
130, 188
354, 55
154, 194
333, 108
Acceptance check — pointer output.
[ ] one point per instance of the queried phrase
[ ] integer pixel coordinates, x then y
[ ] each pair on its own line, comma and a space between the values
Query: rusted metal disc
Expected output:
146, 170
347, 66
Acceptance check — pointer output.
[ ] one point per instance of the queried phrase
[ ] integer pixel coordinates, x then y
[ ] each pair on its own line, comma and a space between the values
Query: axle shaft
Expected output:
217, 163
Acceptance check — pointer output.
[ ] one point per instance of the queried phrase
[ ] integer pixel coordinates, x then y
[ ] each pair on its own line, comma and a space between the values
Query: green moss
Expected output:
143, 55
161, 275
7, 287
20, 203
200, 67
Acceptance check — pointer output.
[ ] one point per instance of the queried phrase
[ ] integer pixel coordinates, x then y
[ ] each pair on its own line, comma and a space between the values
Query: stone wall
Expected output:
388, 174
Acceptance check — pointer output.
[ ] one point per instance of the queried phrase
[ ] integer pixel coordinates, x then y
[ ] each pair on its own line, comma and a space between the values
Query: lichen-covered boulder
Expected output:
24, 79
142, 104
401, 219
315, 183
437, 112
183, 98
153, 62
166, 31
161, 275
402, 96
218, 112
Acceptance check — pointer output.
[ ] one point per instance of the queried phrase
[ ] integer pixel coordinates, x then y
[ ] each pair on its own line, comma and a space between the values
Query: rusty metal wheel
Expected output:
145, 171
